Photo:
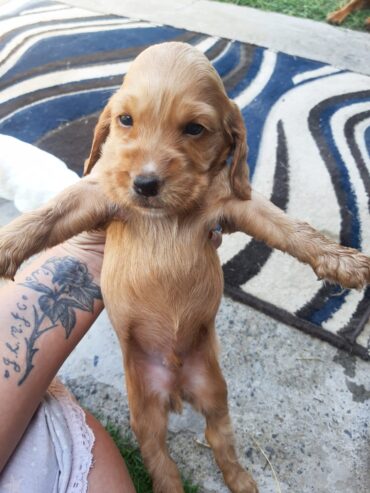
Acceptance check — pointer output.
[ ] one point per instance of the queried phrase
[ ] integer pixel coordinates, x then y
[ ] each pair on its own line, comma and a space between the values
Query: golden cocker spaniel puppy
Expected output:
169, 162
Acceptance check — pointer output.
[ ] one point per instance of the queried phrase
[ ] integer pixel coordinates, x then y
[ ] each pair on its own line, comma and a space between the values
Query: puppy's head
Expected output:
168, 131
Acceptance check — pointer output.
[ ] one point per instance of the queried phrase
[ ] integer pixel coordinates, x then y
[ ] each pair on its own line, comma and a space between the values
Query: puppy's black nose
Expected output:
147, 185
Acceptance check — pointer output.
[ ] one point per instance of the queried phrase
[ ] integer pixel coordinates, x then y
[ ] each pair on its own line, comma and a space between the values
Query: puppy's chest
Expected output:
161, 270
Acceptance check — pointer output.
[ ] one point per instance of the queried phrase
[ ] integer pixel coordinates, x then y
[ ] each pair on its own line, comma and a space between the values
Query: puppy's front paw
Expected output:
336, 17
7, 266
9, 261
347, 267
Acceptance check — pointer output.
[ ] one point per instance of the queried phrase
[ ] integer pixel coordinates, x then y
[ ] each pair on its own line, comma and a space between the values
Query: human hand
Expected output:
87, 247
215, 235
92, 243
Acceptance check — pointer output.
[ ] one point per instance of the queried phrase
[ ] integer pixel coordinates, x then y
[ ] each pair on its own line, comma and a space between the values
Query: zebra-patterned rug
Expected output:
308, 135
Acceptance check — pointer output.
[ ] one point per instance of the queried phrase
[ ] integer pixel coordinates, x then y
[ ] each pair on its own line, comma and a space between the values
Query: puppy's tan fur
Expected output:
341, 14
161, 279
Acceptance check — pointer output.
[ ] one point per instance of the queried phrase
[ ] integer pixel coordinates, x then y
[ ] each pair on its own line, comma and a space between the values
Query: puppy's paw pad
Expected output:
349, 268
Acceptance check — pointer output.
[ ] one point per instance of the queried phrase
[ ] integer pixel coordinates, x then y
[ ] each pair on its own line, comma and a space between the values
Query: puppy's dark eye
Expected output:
193, 129
126, 120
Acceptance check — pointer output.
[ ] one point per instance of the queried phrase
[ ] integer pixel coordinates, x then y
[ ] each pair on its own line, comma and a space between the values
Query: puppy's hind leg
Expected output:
149, 408
205, 388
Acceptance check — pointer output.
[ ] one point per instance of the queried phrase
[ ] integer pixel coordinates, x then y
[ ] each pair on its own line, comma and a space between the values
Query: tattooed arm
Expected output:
43, 315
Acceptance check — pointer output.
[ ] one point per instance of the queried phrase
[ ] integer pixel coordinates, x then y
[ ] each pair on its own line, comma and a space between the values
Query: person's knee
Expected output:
108, 471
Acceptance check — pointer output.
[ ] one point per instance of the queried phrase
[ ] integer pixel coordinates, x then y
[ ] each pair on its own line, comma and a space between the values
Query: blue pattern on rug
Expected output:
52, 97
32, 123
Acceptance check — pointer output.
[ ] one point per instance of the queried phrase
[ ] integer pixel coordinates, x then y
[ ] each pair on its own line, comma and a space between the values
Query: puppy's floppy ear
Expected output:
100, 134
238, 172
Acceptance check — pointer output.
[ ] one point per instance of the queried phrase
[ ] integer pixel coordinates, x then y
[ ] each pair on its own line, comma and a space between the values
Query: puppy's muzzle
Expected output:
146, 185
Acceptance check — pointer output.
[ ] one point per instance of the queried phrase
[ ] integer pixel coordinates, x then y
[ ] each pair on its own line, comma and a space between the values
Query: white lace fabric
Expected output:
55, 453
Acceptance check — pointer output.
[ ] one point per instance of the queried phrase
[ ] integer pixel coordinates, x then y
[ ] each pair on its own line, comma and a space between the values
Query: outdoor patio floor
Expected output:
305, 403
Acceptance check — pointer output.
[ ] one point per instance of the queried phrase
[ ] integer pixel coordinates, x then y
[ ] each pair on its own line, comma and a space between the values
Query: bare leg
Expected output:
149, 418
340, 15
205, 388
109, 472
264, 221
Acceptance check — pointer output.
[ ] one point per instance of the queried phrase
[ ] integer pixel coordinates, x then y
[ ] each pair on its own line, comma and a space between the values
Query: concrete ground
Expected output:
301, 401
343, 48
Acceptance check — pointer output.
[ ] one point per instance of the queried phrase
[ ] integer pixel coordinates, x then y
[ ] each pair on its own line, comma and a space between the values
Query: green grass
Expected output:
134, 462
310, 9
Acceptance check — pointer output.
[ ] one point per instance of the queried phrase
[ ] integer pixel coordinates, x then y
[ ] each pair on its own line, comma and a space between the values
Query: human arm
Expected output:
44, 313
